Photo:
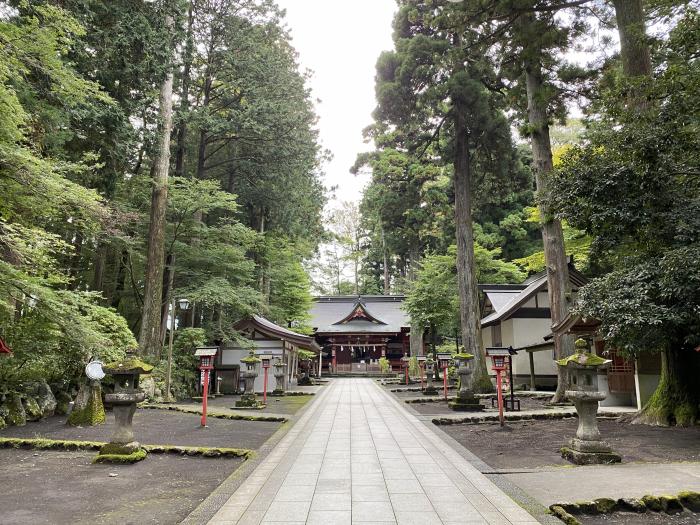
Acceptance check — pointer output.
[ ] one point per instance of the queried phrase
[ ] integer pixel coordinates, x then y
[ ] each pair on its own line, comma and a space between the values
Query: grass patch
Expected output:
215, 415
64, 444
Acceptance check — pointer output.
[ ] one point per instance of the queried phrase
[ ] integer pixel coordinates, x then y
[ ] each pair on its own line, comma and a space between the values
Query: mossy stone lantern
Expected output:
429, 389
278, 366
252, 366
582, 374
465, 400
126, 374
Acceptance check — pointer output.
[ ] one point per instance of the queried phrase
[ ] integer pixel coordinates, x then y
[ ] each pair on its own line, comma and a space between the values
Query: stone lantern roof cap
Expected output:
128, 366
583, 359
251, 358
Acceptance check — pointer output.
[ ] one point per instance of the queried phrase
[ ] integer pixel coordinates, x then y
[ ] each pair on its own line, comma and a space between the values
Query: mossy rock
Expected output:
16, 415
63, 400
605, 505
631, 505
652, 503
690, 500
32, 409
670, 504
119, 449
134, 457
2, 423
564, 516
92, 412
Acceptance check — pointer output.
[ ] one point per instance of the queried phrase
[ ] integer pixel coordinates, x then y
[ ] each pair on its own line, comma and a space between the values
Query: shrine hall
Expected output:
356, 331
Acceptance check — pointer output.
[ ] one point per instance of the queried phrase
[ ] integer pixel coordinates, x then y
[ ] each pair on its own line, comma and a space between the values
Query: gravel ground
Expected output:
57, 488
531, 444
648, 518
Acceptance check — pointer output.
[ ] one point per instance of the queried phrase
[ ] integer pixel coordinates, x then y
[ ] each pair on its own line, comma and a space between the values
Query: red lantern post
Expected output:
498, 357
404, 364
206, 364
444, 360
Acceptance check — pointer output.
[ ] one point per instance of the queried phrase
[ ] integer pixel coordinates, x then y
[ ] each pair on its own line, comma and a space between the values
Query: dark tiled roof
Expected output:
328, 312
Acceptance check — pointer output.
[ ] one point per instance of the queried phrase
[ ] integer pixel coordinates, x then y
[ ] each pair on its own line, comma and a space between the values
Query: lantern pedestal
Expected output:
429, 389
465, 401
587, 448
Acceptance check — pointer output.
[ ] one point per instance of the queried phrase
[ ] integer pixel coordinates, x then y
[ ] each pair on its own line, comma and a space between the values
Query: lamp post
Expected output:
184, 305
206, 363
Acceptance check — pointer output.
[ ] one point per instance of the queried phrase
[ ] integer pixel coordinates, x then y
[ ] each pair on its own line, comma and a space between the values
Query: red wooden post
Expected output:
500, 396
444, 381
205, 395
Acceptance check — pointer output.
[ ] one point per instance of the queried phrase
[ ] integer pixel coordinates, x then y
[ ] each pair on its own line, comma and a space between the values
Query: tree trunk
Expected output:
634, 48
184, 96
119, 279
558, 286
168, 279
676, 399
387, 279
149, 337
469, 315
98, 267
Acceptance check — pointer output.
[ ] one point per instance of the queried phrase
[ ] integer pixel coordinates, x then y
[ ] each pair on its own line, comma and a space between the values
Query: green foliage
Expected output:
384, 365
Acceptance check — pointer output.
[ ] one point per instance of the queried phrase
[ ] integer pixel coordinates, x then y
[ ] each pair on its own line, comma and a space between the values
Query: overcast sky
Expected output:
340, 40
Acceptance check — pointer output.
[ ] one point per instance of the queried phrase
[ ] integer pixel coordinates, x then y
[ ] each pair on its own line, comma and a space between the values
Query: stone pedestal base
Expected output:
466, 404
430, 391
276, 393
123, 449
249, 401
583, 452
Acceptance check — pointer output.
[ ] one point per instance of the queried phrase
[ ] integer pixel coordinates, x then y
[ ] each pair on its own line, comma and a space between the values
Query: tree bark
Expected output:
184, 96
387, 279
149, 337
168, 279
469, 314
558, 285
676, 399
634, 48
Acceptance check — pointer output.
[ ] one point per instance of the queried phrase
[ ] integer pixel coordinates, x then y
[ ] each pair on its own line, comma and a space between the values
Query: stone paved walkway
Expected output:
358, 456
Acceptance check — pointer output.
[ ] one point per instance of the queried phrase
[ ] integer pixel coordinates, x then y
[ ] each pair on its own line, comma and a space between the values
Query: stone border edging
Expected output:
492, 418
215, 415
687, 500
68, 444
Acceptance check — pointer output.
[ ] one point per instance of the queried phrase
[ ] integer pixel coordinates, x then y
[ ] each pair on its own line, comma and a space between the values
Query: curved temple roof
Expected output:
374, 314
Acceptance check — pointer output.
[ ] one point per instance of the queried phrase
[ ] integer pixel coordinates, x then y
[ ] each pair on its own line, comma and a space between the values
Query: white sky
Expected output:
340, 40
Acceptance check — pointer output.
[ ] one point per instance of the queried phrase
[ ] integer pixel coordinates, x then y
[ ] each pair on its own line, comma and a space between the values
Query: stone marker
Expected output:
587, 447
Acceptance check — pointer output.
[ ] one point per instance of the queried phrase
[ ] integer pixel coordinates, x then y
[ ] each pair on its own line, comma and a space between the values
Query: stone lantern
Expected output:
279, 367
430, 389
465, 400
126, 394
249, 399
582, 375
